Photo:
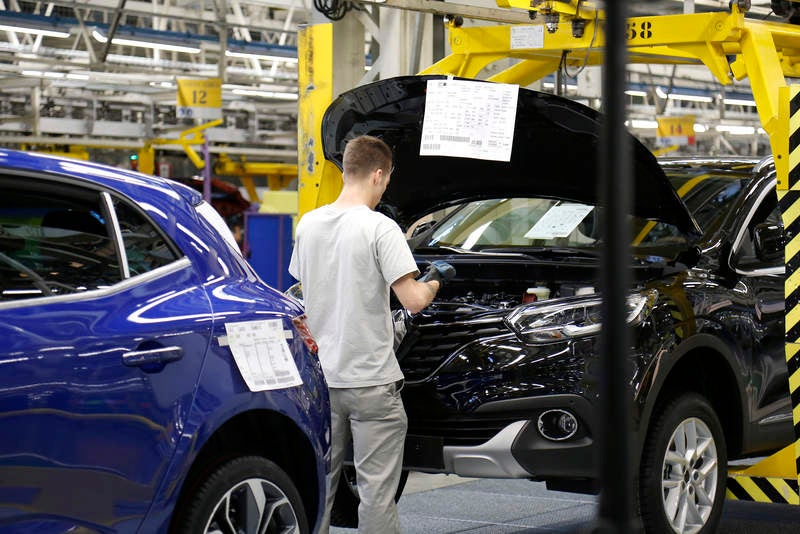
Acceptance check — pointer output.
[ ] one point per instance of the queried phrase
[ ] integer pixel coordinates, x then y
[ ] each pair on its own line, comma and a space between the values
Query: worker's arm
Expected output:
413, 294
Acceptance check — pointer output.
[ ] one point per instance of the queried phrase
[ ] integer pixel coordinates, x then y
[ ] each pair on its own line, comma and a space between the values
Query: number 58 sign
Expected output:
199, 99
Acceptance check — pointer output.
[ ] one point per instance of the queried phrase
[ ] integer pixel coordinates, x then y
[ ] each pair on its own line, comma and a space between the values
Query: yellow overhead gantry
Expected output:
730, 46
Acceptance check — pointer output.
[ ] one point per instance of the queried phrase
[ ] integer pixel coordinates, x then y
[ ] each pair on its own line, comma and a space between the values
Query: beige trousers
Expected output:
375, 419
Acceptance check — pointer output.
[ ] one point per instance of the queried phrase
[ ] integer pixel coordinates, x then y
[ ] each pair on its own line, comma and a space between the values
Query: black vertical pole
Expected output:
617, 512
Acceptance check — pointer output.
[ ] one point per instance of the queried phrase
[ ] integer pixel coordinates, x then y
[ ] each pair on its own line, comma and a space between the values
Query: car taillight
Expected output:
299, 323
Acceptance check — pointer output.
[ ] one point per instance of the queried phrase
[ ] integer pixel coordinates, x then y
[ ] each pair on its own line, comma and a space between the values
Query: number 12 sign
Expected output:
199, 98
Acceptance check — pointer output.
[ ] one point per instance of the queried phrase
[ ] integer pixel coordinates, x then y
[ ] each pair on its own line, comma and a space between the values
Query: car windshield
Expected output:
509, 223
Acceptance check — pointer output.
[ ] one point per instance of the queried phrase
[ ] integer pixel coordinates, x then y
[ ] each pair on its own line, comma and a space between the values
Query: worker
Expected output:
347, 256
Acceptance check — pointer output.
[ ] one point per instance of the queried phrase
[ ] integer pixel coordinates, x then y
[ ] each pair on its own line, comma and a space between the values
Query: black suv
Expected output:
502, 370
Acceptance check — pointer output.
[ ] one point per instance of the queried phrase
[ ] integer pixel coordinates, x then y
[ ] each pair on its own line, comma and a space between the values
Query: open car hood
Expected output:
554, 154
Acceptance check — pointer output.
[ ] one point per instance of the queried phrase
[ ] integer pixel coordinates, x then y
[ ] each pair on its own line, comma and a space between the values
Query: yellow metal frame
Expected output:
278, 175
187, 139
764, 52
319, 180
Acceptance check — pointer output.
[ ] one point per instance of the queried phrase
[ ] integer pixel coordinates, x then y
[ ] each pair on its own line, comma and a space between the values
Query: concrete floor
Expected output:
441, 504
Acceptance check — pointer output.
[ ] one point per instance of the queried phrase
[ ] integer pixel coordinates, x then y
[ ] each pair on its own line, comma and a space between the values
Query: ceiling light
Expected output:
34, 31
551, 85
700, 128
146, 44
736, 130
265, 94
638, 123
632, 92
263, 57
678, 96
739, 102
690, 98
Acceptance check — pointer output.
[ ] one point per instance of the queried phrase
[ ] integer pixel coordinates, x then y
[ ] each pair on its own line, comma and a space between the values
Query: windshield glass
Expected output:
508, 223
532, 222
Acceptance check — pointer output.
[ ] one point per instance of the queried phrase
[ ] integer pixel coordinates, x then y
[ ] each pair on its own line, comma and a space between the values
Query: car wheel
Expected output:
345, 504
247, 495
684, 469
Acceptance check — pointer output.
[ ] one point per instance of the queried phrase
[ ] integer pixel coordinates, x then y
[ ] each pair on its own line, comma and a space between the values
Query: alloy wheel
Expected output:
689, 476
253, 506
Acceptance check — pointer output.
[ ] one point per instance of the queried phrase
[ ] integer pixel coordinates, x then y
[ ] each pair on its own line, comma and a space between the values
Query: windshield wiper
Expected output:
554, 251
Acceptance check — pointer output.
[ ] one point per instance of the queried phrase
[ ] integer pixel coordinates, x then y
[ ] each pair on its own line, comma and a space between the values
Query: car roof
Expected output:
141, 187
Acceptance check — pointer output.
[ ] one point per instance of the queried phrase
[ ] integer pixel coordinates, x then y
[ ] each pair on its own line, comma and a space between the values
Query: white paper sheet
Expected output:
527, 37
262, 354
559, 221
469, 119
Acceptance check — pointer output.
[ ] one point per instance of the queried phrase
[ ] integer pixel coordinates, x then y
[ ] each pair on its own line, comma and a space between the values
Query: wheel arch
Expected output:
702, 365
260, 433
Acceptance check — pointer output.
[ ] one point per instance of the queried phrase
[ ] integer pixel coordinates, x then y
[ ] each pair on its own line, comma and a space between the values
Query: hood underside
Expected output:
554, 154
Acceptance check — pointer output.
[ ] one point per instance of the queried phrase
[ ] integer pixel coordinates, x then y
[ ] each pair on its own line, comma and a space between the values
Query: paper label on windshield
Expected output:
262, 354
467, 119
559, 221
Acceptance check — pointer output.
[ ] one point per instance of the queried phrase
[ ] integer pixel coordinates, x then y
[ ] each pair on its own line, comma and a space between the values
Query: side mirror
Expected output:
769, 242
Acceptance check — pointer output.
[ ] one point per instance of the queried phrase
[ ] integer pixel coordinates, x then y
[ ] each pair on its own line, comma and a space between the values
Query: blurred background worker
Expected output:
347, 256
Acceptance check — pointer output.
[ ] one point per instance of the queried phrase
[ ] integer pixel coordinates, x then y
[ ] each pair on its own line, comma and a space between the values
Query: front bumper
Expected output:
518, 450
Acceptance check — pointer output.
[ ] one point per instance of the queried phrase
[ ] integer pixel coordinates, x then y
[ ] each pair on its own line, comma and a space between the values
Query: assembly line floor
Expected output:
440, 504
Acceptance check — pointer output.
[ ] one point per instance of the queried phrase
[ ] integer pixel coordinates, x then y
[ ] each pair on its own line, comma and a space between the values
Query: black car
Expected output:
502, 369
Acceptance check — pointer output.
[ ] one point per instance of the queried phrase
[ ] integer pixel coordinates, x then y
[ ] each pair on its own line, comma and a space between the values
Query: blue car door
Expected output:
104, 326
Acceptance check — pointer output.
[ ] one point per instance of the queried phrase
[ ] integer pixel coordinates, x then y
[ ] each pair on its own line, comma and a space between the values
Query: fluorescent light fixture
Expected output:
632, 92
265, 94
55, 75
690, 98
34, 31
551, 85
700, 128
146, 44
739, 102
736, 130
687, 98
638, 123
263, 57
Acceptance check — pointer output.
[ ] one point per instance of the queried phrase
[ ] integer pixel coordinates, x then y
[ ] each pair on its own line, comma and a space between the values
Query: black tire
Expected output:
683, 493
345, 505
234, 484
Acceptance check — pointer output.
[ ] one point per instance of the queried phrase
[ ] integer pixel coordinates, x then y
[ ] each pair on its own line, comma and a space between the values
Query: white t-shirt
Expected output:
347, 259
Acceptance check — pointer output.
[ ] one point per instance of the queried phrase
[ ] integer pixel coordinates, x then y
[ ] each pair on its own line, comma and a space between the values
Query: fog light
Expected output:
557, 425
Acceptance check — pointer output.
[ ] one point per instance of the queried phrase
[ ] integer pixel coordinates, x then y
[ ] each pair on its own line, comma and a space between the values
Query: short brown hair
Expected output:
364, 154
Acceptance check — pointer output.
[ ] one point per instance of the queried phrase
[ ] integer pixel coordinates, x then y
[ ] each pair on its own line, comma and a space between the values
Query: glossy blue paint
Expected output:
88, 441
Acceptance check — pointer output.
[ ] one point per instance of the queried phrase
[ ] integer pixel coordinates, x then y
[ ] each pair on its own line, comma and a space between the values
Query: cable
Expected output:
563, 64
333, 9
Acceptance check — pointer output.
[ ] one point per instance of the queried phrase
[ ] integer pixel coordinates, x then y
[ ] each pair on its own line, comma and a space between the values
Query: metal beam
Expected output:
437, 7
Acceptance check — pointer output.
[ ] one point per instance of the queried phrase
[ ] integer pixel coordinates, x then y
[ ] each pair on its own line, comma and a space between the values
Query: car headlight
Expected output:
571, 318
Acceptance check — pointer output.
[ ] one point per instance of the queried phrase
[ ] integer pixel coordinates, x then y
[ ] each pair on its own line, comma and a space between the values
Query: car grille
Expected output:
426, 346
463, 432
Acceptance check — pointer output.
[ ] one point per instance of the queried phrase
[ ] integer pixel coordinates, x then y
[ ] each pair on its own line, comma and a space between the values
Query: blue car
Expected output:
149, 381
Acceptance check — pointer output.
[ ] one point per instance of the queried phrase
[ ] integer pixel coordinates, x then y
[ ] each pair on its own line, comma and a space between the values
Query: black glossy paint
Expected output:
711, 329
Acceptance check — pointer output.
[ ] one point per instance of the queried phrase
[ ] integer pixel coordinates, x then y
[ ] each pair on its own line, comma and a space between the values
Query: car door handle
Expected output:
161, 355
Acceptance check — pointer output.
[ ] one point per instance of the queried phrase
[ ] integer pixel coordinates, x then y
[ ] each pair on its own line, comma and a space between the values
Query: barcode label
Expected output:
454, 138
431, 146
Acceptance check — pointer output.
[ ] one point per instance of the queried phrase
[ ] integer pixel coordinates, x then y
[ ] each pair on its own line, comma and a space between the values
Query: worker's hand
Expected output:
440, 271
